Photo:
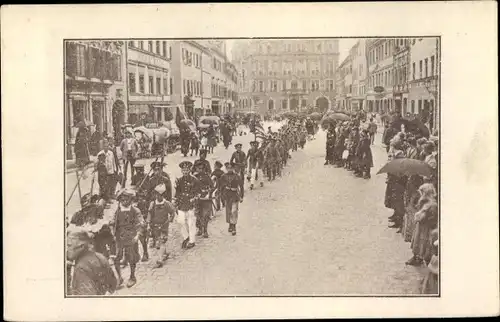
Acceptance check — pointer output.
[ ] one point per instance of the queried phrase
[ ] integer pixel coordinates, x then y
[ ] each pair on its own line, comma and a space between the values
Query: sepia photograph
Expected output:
252, 167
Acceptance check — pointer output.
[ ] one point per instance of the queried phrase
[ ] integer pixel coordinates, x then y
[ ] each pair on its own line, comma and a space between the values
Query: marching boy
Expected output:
128, 225
161, 212
232, 194
216, 176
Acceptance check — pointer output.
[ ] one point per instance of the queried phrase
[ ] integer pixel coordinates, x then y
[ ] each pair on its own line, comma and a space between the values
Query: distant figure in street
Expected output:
205, 210
372, 130
82, 145
194, 144
216, 176
330, 144
160, 214
91, 273
232, 194
203, 160
129, 225
187, 193
239, 158
129, 148
108, 171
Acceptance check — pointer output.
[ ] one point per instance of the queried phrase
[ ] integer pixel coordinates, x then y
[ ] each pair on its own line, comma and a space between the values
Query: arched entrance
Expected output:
270, 105
118, 115
294, 104
322, 104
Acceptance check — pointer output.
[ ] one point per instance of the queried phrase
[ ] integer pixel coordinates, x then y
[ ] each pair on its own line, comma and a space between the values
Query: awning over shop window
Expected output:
138, 109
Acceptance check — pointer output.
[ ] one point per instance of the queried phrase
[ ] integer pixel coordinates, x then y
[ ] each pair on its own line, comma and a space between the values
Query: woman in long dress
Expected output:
82, 145
426, 219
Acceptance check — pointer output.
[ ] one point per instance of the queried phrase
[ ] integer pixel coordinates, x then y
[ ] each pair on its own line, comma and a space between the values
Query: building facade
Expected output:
380, 80
345, 84
149, 81
190, 75
94, 87
359, 74
286, 75
424, 81
401, 73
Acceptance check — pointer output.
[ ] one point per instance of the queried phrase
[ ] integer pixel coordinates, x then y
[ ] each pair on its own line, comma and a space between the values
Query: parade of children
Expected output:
168, 217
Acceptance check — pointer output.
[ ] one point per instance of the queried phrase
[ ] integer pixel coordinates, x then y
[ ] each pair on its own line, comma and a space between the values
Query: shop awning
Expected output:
138, 109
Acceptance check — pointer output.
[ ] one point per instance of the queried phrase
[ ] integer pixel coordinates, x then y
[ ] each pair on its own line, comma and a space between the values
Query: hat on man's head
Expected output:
204, 152
186, 165
157, 165
238, 145
79, 234
125, 192
161, 188
254, 143
218, 164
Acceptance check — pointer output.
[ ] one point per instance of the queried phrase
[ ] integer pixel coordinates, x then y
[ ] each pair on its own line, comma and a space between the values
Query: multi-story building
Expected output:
291, 74
189, 75
219, 80
380, 70
359, 74
232, 87
401, 73
150, 82
424, 79
94, 87
344, 92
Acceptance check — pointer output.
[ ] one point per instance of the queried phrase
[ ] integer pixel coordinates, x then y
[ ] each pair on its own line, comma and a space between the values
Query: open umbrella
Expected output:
339, 116
326, 122
315, 116
407, 167
209, 120
290, 114
186, 123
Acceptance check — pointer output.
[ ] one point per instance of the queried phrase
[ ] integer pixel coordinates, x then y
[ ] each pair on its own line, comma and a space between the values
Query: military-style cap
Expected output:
227, 164
238, 145
186, 165
157, 164
218, 164
125, 193
254, 143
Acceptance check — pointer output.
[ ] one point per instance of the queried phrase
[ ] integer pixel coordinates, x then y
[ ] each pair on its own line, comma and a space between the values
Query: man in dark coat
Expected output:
330, 144
364, 158
82, 145
202, 160
158, 177
232, 194
91, 272
205, 205
185, 138
239, 158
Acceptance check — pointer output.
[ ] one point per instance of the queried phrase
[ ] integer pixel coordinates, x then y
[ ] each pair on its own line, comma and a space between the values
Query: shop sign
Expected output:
378, 89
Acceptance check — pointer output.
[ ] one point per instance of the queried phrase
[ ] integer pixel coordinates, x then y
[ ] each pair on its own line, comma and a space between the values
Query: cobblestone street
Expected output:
318, 230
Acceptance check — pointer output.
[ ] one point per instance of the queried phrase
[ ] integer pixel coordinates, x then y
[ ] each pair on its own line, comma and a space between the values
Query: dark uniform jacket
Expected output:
231, 187
155, 180
128, 224
253, 157
187, 189
92, 275
206, 166
239, 158
206, 185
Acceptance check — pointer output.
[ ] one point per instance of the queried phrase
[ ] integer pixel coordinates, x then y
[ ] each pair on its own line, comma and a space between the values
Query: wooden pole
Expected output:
78, 185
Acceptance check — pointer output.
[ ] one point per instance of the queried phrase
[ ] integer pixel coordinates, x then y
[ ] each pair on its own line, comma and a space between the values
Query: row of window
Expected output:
246, 103
191, 87
157, 47
382, 78
423, 68
216, 64
155, 86
295, 47
273, 85
191, 59
300, 67
86, 61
